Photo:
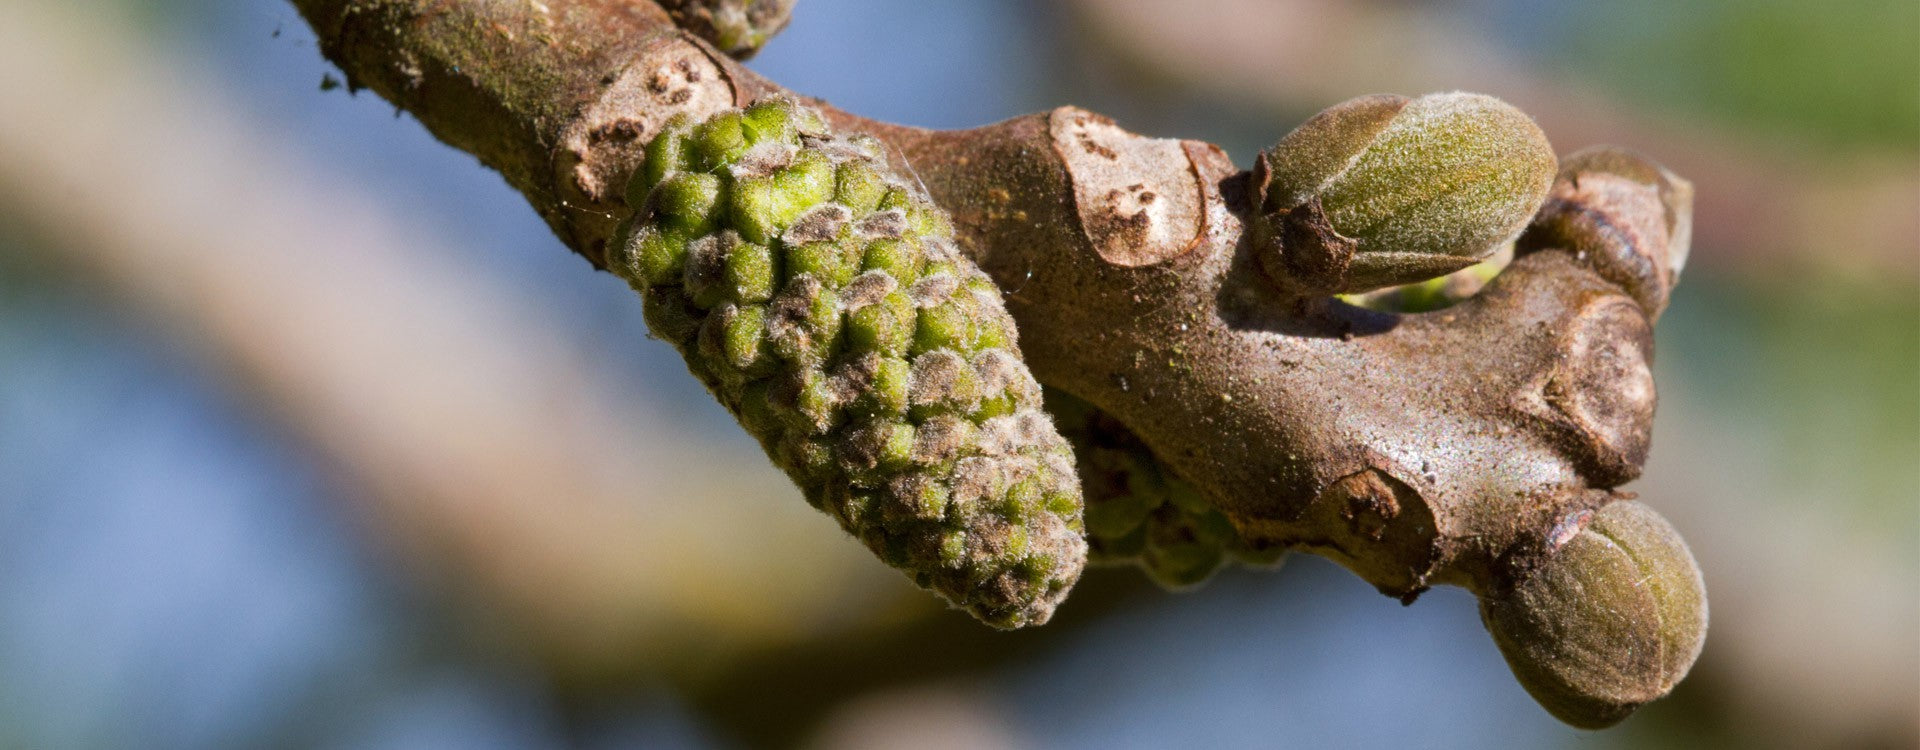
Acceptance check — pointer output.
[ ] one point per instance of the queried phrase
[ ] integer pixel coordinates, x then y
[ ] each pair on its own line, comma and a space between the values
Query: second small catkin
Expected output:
823, 302
1139, 511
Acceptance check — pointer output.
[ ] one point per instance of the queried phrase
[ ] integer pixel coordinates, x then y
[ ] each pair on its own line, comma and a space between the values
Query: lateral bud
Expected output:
1610, 614
1385, 190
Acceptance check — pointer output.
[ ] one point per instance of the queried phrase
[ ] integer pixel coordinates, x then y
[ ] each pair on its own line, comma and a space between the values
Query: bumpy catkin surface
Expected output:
821, 299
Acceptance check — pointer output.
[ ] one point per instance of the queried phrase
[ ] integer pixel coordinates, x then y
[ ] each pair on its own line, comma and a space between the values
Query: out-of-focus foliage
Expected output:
1822, 375
1830, 74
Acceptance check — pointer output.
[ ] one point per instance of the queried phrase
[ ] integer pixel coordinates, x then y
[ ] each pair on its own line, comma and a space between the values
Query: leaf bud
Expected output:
1384, 190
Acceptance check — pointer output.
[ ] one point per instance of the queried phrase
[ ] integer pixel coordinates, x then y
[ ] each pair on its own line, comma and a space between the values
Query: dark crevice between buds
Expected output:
1299, 249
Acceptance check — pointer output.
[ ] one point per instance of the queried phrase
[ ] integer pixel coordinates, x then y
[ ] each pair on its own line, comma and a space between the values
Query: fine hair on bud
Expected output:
1610, 616
1385, 190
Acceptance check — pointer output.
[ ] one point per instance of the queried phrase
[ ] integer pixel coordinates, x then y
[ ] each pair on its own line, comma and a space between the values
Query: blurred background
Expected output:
311, 435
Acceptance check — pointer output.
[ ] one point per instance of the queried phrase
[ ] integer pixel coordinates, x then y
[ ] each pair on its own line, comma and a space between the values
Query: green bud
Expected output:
879, 328
760, 210
719, 141
688, 203
859, 186
1610, 617
894, 257
809, 180
826, 261
816, 403
933, 268
667, 153
944, 326
670, 315
896, 196
767, 121
745, 338
993, 333
1385, 190
624, 251
927, 221
750, 273
788, 270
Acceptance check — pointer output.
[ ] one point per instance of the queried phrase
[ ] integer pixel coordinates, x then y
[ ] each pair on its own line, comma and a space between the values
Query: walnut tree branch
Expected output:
1476, 446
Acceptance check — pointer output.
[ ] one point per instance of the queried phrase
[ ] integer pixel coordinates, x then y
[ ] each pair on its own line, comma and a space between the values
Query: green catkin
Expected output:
1139, 512
824, 303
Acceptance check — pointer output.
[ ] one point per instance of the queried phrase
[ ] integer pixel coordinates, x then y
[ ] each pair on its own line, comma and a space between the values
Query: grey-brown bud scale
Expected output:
1630, 218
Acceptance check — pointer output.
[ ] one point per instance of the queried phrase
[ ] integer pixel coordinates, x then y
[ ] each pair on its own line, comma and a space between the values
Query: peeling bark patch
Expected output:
1389, 522
1140, 200
602, 147
1370, 505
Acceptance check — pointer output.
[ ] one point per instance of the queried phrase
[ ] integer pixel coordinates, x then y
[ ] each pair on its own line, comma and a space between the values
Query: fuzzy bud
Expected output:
1385, 190
1612, 615
822, 302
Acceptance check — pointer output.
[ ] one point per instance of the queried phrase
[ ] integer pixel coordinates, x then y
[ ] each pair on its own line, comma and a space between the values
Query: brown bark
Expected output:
1453, 447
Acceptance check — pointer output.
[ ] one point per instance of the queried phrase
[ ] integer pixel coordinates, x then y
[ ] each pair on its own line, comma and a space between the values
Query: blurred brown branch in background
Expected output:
481, 448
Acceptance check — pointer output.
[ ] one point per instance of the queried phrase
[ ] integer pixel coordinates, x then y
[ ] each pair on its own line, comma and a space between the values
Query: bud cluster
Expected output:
1140, 512
738, 27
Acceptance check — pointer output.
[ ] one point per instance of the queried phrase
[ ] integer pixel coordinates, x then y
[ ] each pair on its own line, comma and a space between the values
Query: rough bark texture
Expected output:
1450, 447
